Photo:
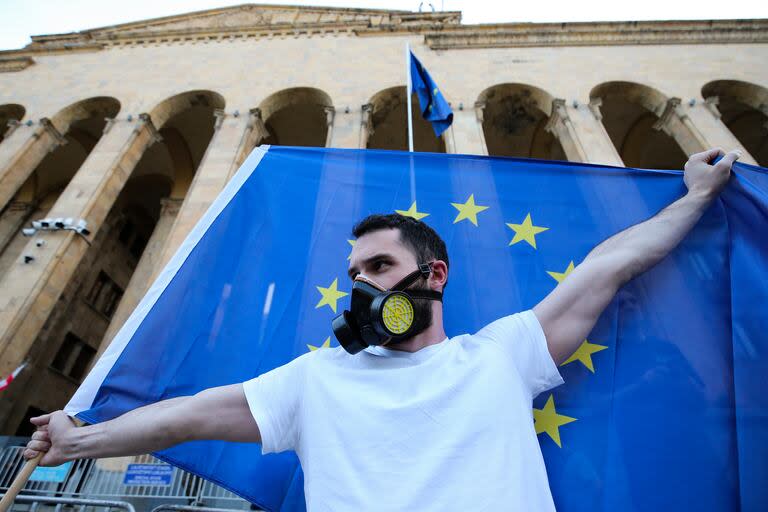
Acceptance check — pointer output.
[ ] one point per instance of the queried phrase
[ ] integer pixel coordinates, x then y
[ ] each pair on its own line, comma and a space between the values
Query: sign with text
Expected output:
148, 474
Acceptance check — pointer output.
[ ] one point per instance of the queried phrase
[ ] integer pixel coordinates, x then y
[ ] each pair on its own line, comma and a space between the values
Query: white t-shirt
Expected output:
449, 427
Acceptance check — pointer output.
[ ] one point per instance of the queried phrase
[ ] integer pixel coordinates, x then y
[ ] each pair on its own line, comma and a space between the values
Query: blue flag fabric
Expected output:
434, 107
663, 406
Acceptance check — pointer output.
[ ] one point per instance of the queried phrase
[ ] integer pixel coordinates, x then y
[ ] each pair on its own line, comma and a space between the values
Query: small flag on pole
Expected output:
434, 107
7, 381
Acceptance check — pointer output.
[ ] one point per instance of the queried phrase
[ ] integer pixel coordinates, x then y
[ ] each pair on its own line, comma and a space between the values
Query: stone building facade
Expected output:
136, 127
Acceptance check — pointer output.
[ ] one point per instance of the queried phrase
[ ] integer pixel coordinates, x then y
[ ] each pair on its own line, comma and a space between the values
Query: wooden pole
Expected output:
18, 483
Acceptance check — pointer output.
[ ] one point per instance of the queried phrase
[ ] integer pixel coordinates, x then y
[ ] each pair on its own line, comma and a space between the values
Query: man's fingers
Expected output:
41, 435
40, 420
707, 156
30, 454
727, 161
40, 446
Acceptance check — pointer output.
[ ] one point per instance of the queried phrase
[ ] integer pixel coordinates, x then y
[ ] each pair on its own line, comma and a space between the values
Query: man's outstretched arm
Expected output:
217, 413
570, 311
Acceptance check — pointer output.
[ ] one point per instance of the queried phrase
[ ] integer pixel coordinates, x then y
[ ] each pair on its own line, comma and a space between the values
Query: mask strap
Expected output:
424, 270
426, 294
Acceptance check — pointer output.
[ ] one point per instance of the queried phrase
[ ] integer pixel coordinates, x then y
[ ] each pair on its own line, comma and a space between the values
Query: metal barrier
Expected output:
188, 508
103, 479
84, 504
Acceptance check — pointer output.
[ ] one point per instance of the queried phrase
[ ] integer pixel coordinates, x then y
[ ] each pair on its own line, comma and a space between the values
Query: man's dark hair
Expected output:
422, 240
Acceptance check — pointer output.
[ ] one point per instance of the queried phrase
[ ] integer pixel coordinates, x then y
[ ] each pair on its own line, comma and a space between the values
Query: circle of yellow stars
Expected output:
546, 420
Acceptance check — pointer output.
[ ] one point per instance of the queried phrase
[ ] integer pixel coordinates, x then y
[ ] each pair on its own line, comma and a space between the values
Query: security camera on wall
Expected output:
82, 227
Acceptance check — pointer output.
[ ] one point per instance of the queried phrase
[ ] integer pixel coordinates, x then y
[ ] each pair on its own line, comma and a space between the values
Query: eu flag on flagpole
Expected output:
663, 406
434, 107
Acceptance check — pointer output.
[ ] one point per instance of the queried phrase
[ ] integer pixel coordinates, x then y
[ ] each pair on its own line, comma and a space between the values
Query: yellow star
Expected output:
526, 231
412, 212
434, 93
559, 276
330, 295
584, 354
547, 420
352, 243
468, 210
326, 344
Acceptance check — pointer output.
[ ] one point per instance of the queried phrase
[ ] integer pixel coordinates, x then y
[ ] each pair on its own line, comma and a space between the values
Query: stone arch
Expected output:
78, 128
386, 125
183, 127
60, 146
170, 107
9, 113
743, 108
185, 124
97, 109
643, 124
142, 216
80, 125
516, 122
299, 116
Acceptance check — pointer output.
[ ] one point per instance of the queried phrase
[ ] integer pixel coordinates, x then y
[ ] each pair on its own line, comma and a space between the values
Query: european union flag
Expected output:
664, 404
434, 107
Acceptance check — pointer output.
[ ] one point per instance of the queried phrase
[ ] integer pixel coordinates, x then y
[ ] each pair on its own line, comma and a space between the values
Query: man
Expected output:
421, 423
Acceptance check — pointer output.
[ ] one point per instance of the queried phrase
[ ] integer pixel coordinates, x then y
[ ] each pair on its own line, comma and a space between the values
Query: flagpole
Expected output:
408, 94
18, 483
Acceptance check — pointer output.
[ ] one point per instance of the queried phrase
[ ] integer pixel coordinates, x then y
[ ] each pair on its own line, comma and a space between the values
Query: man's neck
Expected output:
433, 335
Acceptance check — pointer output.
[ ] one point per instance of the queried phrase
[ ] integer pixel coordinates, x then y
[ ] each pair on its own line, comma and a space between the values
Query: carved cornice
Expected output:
480, 111
600, 34
11, 64
559, 114
594, 107
219, 115
256, 123
711, 104
10, 128
47, 127
366, 118
145, 122
242, 22
441, 30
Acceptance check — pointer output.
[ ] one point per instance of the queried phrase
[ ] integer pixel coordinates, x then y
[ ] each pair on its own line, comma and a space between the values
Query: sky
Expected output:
21, 18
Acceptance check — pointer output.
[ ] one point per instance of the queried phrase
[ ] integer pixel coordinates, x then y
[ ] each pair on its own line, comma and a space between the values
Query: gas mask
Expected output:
380, 316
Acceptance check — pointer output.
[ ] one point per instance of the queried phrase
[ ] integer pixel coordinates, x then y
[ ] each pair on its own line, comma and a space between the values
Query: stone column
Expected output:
142, 275
12, 221
347, 129
330, 114
705, 117
674, 121
583, 123
559, 124
480, 116
31, 290
465, 136
21, 152
366, 125
233, 140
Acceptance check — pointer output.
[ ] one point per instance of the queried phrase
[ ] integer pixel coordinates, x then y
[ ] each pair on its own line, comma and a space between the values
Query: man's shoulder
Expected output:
322, 355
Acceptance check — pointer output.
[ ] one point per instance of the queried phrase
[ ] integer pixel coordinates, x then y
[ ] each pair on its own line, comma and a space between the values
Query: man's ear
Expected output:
439, 275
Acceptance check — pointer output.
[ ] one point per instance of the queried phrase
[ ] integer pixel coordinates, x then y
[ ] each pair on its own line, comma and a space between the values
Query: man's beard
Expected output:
422, 316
